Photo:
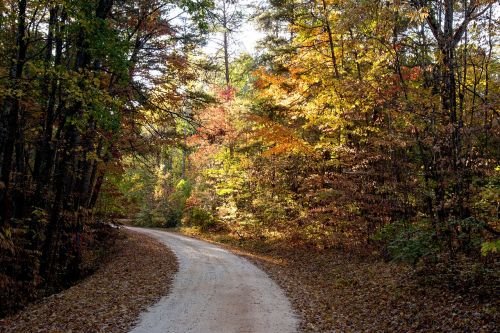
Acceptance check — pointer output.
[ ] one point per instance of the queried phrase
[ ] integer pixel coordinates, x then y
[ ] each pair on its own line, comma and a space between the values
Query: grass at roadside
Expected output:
345, 292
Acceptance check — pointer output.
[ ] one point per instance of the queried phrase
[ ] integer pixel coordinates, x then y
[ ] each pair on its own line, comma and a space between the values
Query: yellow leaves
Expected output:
11, 93
93, 156
6, 242
490, 247
419, 15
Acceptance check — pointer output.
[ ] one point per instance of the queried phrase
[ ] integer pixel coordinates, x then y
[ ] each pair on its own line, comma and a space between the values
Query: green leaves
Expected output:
6, 243
409, 242
490, 247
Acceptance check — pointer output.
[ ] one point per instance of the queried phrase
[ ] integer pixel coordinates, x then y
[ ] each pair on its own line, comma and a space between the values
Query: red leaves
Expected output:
411, 74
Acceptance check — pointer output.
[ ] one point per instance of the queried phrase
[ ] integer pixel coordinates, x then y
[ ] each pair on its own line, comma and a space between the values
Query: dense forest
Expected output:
356, 125
76, 82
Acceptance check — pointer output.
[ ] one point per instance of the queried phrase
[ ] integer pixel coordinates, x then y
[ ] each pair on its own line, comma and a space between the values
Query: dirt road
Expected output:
216, 291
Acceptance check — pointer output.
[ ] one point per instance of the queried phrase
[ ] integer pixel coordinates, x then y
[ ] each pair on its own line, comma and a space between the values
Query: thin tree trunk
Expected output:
10, 111
226, 45
65, 180
330, 39
49, 90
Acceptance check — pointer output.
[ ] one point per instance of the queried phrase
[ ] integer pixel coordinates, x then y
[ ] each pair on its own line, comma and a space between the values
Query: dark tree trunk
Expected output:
330, 39
43, 152
10, 112
67, 180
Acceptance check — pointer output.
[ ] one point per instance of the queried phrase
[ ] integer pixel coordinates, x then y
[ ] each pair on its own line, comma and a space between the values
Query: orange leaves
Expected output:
216, 127
280, 138
227, 94
266, 79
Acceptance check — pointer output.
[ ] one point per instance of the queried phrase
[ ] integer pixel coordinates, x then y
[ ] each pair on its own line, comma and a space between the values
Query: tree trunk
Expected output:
330, 39
65, 179
226, 45
10, 111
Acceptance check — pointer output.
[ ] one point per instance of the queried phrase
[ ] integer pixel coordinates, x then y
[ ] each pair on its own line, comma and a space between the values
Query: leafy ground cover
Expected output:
111, 299
334, 291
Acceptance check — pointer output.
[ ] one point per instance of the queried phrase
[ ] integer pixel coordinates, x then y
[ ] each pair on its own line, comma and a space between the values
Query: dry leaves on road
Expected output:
139, 273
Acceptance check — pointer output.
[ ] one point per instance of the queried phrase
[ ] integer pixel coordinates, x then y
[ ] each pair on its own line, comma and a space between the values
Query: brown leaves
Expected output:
108, 301
336, 292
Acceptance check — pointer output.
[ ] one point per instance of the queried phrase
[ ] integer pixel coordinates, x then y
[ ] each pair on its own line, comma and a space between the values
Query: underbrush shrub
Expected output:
20, 251
98, 242
407, 242
450, 256
156, 217
200, 218
176, 203
111, 203
462, 274
144, 218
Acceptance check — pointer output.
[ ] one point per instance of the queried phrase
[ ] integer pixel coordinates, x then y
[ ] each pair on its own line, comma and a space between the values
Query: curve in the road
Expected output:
216, 291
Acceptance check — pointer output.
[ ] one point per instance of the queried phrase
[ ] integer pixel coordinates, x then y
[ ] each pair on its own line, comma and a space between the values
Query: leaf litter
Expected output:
335, 291
110, 300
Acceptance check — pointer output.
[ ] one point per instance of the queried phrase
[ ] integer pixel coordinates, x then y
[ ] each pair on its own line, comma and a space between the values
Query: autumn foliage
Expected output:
363, 126
369, 126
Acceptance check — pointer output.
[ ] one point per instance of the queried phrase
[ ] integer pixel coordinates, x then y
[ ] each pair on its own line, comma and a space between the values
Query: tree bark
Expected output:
330, 39
10, 111
226, 44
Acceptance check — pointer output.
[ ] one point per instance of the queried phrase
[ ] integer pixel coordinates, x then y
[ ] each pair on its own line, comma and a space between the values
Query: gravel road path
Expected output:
215, 291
